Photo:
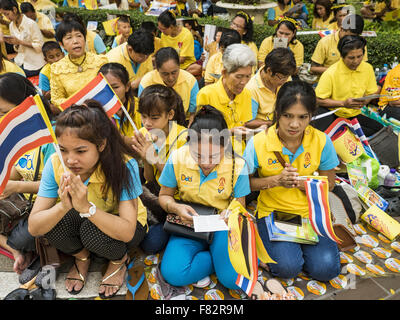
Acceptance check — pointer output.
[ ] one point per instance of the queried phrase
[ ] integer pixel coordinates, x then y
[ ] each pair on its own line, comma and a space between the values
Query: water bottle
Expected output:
390, 178
377, 74
385, 70
394, 63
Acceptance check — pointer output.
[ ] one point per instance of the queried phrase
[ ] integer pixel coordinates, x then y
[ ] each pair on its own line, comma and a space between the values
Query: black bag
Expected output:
385, 145
174, 224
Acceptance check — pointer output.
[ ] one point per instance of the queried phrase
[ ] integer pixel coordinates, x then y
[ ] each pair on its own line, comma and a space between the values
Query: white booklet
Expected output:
209, 223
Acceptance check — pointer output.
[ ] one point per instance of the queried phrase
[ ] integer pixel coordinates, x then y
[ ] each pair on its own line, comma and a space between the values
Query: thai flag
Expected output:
24, 128
97, 89
324, 33
355, 128
319, 213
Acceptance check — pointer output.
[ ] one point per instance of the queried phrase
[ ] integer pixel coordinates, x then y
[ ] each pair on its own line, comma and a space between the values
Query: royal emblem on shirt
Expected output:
307, 160
221, 185
185, 178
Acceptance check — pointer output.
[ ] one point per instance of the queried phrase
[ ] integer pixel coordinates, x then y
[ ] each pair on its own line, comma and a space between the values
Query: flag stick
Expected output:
129, 118
58, 151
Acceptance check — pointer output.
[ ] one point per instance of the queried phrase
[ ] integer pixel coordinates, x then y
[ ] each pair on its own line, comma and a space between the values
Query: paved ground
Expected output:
367, 287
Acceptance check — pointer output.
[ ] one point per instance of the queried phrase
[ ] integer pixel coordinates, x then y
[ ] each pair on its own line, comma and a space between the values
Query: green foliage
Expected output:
381, 49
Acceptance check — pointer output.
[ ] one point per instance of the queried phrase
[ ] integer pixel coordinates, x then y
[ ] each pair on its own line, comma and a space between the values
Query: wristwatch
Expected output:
92, 211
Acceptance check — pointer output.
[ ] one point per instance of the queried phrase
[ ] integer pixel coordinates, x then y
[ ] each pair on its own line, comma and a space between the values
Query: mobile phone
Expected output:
289, 218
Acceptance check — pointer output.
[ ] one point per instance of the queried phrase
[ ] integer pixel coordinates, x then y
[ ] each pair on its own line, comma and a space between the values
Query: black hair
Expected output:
120, 72
228, 37
15, 88
91, 123
165, 54
149, 26
248, 26
327, 4
9, 5
290, 25
124, 18
142, 42
348, 43
70, 23
50, 45
219, 29
280, 60
293, 92
167, 18
353, 23
335, 12
26, 7
159, 98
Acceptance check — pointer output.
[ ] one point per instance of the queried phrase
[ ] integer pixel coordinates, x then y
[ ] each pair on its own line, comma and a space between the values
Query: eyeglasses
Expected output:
281, 78
234, 24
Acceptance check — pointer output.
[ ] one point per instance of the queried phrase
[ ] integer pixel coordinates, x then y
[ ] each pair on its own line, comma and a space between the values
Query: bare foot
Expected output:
21, 261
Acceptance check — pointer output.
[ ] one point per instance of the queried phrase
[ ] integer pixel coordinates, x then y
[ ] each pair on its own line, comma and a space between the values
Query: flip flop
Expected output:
277, 290
31, 271
258, 292
139, 291
18, 294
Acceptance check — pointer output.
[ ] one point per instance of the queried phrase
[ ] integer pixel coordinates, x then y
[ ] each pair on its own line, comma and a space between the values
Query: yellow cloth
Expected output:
326, 52
281, 198
319, 24
254, 48
392, 81
65, 80
176, 138
268, 45
120, 54
157, 45
5, 28
183, 85
211, 48
236, 112
183, 43
90, 35
127, 129
263, 96
73, 3
390, 15
42, 4
44, 23
8, 66
214, 66
340, 83
95, 192
214, 191
279, 13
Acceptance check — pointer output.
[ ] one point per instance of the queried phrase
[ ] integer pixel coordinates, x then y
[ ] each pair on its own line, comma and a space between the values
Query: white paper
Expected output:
209, 223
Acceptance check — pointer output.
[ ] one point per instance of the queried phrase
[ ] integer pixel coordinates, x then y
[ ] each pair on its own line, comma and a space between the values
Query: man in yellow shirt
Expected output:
134, 55
326, 52
44, 23
343, 84
265, 84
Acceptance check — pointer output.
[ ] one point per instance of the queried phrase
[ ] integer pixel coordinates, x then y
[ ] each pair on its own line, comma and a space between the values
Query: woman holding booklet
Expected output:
287, 151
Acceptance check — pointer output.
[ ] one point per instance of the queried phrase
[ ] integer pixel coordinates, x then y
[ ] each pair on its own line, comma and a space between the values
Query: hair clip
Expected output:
173, 13
295, 23
246, 16
338, 6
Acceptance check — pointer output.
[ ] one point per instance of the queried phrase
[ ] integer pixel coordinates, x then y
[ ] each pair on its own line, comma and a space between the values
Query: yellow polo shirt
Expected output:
95, 192
236, 112
319, 24
338, 82
183, 43
307, 160
120, 54
214, 67
183, 172
127, 129
263, 96
268, 45
392, 81
186, 86
326, 52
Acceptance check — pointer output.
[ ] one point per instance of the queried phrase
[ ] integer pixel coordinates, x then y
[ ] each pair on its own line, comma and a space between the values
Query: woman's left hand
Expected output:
78, 192
144, 147
11, 187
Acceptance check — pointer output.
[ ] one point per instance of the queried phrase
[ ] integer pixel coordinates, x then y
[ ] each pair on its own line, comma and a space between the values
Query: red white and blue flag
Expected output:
317, 191
340, 123
97, 89
324, 33
22, 129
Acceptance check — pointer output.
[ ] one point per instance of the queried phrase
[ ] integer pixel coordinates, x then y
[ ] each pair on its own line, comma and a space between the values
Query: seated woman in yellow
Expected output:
91, 206
214, 64
243, 24
179, 38
339, 12
391, 87
326, 52
322, 14
75, 70
14, 89
345, 81
304, 150
276, 13
118, 78
169, 74
8, 66
285, 29
229, 94
279, 66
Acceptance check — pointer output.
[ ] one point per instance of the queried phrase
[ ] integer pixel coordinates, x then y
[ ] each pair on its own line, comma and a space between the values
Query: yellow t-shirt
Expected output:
392, 81
41, 4
127, 129
279, 12
44, 23
157, 45
268, 45
326, 52
280, 198
236, 112
65, 80
9, 66
214, 68
183, 43
120, 54
95, 192
339, 82
319, 24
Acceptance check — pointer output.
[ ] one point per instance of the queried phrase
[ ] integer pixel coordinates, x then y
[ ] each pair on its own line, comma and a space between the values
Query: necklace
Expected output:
80, 69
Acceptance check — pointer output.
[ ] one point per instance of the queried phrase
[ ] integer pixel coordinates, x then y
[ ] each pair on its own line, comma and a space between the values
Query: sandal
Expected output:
81, 277
277, 290
31, 271
139, 291
121, 265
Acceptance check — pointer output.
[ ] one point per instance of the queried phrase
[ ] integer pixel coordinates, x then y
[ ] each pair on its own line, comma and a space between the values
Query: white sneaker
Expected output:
202, 283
